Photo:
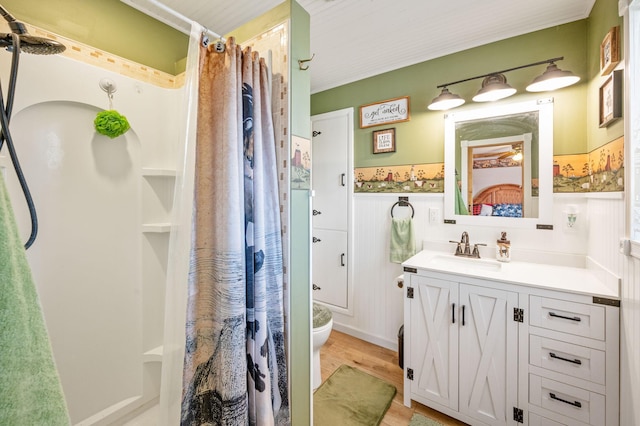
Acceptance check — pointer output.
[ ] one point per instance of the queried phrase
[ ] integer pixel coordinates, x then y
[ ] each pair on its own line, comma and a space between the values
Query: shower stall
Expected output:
100, 260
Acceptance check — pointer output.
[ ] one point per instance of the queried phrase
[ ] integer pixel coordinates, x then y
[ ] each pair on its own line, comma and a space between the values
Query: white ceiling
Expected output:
355, 39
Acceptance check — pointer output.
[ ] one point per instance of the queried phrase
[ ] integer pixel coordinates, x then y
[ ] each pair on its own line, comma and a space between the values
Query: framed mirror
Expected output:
499, 165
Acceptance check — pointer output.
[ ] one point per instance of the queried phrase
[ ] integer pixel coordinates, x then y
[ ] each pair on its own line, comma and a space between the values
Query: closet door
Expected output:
332, 184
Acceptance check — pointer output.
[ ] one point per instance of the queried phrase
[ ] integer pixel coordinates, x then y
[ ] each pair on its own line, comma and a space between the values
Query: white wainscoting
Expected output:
378, 305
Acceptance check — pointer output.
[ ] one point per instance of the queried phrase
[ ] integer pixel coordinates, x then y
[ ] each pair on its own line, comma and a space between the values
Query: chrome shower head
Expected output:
32, 44
28, 43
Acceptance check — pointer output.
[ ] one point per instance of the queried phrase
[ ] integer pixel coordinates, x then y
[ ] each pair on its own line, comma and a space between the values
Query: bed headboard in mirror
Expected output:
498, 165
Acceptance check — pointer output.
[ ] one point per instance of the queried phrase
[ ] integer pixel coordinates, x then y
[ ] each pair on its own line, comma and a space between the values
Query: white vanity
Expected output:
493, 343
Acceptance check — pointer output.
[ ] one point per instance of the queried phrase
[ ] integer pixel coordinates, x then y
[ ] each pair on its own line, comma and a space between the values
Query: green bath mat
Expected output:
420, 420
350, 397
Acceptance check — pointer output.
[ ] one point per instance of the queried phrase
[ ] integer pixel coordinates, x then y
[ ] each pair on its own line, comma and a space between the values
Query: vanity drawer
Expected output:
580, 319
567, 358
537, 420
570, 401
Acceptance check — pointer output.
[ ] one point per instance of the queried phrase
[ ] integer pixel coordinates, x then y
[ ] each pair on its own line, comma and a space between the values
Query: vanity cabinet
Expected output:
496, 353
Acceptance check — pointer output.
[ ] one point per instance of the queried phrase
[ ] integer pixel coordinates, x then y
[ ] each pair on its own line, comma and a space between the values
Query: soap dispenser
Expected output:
503, 248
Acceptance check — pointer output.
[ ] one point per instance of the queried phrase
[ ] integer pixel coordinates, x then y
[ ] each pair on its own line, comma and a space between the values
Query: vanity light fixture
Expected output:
495, 86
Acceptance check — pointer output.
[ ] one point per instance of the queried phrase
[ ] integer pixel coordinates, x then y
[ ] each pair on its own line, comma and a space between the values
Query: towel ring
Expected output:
402, 204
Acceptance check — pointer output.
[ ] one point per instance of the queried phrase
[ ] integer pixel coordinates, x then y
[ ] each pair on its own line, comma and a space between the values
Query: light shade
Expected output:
553, 78
445, 100
494, 87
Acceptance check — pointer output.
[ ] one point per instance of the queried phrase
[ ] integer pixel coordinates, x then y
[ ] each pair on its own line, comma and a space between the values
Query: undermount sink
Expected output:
449, 261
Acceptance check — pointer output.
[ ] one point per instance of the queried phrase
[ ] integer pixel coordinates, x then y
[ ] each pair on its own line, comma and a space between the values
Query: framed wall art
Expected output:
610, 51
384, 141
611, 99
385, 112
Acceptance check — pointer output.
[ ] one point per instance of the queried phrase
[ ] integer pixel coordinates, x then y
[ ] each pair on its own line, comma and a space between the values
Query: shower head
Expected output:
32, 44
28, 43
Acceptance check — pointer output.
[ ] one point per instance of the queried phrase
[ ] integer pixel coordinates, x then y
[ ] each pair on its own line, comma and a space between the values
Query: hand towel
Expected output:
30, 390
403, 244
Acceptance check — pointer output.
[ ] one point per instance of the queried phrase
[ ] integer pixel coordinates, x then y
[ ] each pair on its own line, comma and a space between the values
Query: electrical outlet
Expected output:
624, 246
433, 214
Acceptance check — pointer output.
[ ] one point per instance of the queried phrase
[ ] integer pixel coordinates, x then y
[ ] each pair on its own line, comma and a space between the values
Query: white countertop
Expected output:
565, 278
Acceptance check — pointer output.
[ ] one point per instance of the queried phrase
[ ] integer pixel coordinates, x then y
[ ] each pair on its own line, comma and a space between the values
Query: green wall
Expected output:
108, 25
604, 15
421, 140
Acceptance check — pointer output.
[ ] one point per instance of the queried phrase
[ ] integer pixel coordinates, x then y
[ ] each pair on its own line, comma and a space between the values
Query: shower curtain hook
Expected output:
205, 37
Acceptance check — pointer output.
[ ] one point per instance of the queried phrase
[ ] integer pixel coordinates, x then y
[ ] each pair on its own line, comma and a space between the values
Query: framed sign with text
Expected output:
384, 141
385, 112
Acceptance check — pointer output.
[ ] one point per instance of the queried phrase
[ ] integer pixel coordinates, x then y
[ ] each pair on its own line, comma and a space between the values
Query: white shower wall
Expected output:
100, 279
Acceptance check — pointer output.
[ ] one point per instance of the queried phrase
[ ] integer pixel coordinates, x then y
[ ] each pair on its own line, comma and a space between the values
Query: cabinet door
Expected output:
488, 354
330, 267
434, 340
330, 157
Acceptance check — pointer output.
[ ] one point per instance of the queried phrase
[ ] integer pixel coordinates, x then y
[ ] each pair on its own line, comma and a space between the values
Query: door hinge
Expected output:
518, 315
409, 292
518, 415
410, 373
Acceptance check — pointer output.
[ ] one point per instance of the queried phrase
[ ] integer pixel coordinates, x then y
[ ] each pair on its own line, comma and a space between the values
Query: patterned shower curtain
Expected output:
235, 370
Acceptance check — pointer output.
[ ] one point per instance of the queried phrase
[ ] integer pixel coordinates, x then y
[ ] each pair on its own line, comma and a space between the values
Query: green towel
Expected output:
403, 244
30, 390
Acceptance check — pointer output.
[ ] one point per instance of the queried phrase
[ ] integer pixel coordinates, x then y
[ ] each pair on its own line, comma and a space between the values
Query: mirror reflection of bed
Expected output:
499, 200
496, 170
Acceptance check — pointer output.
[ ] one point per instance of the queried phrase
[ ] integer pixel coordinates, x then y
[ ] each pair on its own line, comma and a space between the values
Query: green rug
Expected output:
350, 397
420, 420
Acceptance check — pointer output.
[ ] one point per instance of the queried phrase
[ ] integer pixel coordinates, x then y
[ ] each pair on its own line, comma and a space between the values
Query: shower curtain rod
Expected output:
164, 8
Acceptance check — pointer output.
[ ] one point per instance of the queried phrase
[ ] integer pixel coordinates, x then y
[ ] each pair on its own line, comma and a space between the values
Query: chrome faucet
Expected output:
463, 248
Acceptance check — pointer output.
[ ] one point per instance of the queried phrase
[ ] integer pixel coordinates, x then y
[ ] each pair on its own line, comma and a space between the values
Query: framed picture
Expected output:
610, 51
611, 99
384, 141
384, 112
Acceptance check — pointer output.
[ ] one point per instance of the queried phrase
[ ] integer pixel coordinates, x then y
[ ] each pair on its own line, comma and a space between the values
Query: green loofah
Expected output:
111, 123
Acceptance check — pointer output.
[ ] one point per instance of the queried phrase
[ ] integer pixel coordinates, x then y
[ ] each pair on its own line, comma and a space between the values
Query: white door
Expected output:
329, 157
330, 267
488, 354
434, 340
332, 185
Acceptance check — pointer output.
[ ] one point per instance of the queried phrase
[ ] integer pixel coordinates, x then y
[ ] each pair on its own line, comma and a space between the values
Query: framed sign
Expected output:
610, 51
384, 141
611, 99
384, 112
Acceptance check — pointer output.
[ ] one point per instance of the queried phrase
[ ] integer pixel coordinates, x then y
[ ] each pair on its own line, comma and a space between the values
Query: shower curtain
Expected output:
235, 369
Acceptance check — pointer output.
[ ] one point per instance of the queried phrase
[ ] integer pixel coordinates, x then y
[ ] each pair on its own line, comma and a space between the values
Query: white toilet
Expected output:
322, 324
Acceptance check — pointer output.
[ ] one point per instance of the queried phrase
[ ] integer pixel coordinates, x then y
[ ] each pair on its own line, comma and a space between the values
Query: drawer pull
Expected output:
574, 403
553, 314
573, 361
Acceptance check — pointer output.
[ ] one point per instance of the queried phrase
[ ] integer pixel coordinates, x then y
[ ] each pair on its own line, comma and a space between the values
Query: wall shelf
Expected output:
156, 227
153, 171
153, 355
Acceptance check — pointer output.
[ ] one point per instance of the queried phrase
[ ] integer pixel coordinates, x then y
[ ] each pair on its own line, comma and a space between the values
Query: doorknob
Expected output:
316, 212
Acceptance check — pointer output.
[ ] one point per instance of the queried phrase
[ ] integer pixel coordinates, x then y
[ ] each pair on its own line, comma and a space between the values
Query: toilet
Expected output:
322, 324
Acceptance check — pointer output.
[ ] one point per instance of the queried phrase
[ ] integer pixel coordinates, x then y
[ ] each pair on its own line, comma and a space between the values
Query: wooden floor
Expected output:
382, 363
